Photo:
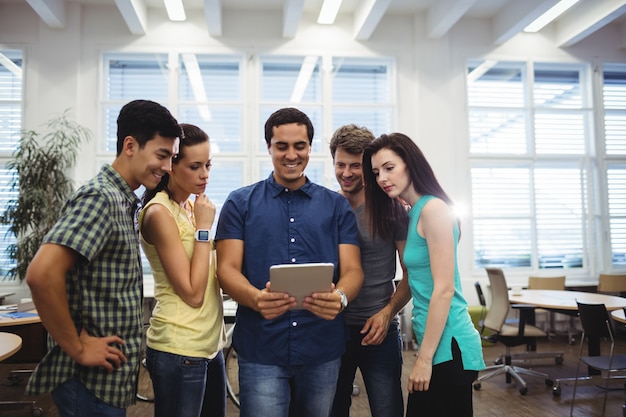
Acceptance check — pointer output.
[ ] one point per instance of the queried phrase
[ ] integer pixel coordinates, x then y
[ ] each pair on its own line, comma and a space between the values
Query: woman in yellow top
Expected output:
186, 331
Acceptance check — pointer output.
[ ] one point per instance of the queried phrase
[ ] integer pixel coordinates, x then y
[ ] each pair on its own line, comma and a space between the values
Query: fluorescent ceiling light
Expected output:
197, 85
480, 70
10, 65
550, 15
329, 12
175, 10
306, 70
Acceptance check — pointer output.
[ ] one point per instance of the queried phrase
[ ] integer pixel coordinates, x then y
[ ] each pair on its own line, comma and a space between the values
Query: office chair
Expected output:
610, 283
596, 323
508, 334
553, 283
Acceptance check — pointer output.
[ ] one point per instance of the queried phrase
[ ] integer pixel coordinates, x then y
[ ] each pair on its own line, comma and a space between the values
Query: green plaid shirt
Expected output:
104, 289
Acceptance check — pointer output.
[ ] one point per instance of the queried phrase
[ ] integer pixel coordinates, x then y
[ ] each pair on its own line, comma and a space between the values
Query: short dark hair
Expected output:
351, 138
143, 120
286, 116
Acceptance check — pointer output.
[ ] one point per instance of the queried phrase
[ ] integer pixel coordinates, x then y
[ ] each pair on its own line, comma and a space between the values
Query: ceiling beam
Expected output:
586, 18
134, 13
516, 15
292, 14
444, 14
52, 12
213, 16
367, 17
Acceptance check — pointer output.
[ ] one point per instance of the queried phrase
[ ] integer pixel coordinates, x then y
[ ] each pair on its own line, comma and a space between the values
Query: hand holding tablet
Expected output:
301, 280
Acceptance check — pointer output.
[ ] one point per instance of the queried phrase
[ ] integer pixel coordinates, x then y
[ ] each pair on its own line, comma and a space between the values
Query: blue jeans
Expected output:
381, 367
297, 391
73, 399
180, 383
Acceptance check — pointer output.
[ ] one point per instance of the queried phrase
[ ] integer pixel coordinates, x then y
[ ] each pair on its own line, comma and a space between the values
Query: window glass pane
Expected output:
616, 180
614, 93
560, 133
226, 176
136, 76
221, 123
209, 78
501, 206
559, 209
11, 71
557, 88
357, 80
377, 120
131, 77
497, 132
493, 83
291, 79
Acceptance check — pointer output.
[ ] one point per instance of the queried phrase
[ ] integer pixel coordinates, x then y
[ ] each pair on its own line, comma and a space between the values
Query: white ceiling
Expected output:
506, 17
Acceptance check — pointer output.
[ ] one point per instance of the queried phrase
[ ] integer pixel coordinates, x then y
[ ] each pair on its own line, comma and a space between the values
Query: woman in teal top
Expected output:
450, 352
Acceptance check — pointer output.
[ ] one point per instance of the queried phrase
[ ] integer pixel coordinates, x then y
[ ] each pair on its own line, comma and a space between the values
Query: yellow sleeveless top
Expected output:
176, 327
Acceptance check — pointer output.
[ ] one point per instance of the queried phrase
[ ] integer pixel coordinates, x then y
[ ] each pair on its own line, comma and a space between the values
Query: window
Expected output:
530, 154
210, 91
11, 88
614, 94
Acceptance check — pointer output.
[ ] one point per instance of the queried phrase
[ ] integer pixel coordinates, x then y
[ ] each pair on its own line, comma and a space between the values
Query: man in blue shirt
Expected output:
288, 358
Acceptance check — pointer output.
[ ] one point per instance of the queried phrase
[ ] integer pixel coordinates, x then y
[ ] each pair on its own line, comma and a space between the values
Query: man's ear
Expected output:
130, 146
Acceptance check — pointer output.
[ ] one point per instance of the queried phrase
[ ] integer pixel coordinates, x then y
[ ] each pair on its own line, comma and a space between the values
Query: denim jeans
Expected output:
180, 383
381, 367
73, 399
297, 391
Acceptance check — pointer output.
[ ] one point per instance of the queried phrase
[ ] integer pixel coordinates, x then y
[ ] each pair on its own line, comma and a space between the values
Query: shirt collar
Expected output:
114, 177
276, 188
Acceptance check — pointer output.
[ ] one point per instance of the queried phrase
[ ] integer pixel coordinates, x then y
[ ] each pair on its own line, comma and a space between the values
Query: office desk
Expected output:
565, 302
618, 315
9, 344
32, 332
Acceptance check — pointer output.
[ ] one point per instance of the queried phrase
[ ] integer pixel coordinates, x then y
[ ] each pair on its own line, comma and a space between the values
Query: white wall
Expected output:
63, 71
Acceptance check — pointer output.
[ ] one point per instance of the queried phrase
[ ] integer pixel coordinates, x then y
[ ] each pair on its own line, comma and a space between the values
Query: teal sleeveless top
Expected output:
459, 324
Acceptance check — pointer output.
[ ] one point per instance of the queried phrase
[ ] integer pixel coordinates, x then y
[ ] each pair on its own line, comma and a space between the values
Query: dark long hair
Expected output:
383, 211
193, 135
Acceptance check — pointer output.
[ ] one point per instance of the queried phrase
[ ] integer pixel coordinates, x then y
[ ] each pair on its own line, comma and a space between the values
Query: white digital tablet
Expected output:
301, 280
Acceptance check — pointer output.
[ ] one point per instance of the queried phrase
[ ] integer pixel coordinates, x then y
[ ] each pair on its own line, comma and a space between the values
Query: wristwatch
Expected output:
202, 235
344, 300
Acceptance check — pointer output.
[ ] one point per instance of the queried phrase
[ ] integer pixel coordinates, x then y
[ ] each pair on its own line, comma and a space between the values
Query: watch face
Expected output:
202, 235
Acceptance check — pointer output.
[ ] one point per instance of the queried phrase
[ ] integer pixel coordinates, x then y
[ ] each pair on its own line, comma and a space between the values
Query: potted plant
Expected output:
40, 164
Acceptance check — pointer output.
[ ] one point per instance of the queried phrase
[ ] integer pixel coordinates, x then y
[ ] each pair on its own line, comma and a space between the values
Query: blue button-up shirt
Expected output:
279, 226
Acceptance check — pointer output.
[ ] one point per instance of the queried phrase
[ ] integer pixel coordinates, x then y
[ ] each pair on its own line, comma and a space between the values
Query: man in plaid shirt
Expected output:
86, 278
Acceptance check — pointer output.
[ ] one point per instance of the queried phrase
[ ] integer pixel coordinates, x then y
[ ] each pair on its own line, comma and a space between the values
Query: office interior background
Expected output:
526, 131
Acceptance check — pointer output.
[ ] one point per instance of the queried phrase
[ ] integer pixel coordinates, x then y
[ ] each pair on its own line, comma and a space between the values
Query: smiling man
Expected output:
374, 344
86, 278
288, 358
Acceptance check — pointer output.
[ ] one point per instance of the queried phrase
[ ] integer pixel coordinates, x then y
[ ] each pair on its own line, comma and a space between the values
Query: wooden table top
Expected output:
8, 321
618, 315
9, 344
566, 300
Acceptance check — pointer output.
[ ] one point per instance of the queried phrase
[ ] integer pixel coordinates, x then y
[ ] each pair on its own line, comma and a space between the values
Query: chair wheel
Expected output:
355, 390
556, 390
523, 390
498, 361
477, 386
558, 360
37, 412
549, 382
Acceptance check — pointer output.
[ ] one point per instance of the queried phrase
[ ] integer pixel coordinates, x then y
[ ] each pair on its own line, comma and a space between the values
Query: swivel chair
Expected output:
510, 335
